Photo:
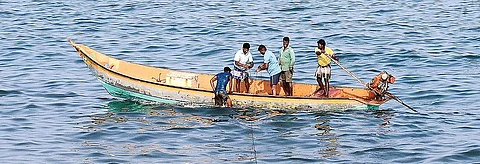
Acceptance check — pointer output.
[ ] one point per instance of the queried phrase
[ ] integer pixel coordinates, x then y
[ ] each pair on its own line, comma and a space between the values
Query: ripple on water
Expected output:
9, 92
143, 137
383, 154
471, 154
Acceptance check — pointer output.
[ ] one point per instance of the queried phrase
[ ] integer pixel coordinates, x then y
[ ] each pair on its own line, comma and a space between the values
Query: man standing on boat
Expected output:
287, 61
242, 57
270, 63
220, 90
324, 70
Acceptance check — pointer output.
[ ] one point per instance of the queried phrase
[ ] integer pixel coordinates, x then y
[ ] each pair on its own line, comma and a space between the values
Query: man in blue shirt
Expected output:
220, 90
270, 63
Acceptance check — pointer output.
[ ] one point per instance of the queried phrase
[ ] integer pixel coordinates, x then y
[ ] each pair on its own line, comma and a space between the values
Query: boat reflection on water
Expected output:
200, 126
326, 137
117, 112
248, 126
157, 116
385, 116
331, 142
165, 116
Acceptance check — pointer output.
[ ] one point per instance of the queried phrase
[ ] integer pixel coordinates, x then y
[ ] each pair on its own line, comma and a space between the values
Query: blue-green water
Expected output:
54, 111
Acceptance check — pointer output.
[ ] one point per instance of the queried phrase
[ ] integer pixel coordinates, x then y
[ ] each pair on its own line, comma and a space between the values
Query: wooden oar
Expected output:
400, 101
361, 82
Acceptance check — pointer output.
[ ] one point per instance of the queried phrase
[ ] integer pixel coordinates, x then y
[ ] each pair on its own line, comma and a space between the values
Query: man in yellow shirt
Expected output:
324, 70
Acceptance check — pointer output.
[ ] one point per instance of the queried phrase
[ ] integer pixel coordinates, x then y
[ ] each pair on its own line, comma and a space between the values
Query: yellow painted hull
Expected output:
130, 80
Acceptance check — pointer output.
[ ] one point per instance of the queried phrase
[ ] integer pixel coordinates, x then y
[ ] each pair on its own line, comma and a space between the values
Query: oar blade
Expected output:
401, 102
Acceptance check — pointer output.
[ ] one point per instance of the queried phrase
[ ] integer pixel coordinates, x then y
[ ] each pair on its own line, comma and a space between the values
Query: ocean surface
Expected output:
54, 111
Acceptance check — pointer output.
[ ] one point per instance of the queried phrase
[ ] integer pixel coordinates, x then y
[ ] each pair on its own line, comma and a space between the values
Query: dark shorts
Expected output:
286, 76
274, 79
221, 97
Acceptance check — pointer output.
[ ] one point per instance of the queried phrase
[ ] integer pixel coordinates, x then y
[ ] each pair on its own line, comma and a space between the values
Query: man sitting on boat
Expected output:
242, 57
224, 78
380, 84
270, 63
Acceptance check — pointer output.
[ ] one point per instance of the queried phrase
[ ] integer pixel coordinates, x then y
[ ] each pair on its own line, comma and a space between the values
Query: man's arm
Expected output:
251, 61
251, 65
262, 66
214, 78
334, 56
230, 84
292, 61
241, 65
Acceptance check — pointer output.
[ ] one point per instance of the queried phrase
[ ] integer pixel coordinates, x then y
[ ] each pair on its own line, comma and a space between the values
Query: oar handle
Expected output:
346, 70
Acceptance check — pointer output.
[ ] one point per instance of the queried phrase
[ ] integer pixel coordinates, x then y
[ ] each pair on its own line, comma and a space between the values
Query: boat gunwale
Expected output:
204, 90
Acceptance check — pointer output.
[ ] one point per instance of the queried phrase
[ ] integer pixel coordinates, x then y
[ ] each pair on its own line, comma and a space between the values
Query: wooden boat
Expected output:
134, 81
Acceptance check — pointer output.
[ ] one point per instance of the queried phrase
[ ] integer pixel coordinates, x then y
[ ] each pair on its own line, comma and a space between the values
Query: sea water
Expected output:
54, 111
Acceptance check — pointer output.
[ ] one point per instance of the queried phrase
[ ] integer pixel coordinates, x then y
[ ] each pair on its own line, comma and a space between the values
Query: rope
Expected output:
253, 142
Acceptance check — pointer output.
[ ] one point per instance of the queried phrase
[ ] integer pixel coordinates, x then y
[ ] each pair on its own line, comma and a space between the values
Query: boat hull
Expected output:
121, 85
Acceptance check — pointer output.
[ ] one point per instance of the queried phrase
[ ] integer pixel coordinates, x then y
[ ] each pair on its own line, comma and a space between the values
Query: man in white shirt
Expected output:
242, 57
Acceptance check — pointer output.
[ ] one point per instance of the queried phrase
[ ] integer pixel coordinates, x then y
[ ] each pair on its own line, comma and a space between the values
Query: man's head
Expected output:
227, 69
286, 41
321, 44
384, 76
387, 77
262, 49
246, 47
